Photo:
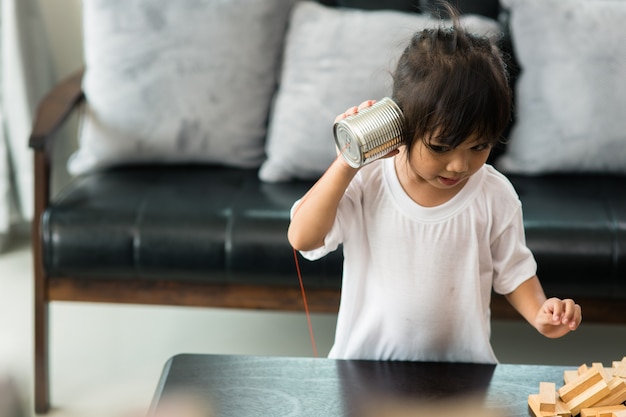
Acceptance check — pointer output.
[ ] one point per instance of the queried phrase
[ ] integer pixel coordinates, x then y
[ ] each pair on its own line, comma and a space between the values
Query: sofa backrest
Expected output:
488, 8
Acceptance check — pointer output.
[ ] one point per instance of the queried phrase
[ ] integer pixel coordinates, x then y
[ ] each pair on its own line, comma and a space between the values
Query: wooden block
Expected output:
620, 369
620, 413
601, 411
617, 386
610, 411
547, 396
534, 406
582, 369
606, 374
588, 412
562, 410
569, 375
589, 397
579, 384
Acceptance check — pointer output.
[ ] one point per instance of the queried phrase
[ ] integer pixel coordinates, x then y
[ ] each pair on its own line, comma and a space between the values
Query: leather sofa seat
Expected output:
223, 225
576, 227
203, 223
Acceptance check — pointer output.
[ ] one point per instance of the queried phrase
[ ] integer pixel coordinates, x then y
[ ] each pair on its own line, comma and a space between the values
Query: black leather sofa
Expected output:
208, 235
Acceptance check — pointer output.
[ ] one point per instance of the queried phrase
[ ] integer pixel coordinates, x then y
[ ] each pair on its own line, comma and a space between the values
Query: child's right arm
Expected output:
314, 216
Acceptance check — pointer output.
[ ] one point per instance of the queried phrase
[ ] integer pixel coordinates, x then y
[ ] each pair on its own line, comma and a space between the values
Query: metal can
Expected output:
371, 133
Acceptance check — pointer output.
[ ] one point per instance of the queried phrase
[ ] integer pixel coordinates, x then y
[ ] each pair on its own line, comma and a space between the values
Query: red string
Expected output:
295, 257
306, 305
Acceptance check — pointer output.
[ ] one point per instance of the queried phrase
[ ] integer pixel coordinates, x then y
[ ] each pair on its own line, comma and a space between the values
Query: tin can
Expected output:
371, 133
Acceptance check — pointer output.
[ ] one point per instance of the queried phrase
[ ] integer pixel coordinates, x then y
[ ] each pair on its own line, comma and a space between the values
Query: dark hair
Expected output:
451, 85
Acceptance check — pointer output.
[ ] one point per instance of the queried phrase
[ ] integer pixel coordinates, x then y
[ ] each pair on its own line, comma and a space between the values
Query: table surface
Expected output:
256, 386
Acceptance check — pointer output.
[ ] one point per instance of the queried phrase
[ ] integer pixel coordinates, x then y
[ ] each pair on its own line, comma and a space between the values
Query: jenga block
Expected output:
610, 411
579, 384
589, 397
562, 410
601, 411
582, 369
569, 375
606, 374
619, 413
535, 408
616, 365
617, 386
547, 396
620, 369
588, 412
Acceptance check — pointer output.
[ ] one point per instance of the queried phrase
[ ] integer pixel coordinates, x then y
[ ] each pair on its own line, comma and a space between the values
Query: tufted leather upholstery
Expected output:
205, 223
224, 226
575, 227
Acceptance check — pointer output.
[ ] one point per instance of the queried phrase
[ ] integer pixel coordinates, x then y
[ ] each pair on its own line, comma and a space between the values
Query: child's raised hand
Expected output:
350, 112
558, 317
354, 110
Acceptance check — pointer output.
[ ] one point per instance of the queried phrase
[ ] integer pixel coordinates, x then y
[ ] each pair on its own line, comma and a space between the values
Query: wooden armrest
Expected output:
55, 108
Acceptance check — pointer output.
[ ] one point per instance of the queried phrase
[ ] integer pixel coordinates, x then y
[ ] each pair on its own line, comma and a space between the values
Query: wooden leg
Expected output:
41, 359
42, 396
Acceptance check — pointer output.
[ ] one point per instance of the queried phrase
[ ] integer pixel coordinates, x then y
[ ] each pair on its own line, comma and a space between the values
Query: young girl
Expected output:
430, 230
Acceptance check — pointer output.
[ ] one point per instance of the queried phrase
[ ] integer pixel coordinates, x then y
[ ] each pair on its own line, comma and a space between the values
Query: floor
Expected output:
106, 359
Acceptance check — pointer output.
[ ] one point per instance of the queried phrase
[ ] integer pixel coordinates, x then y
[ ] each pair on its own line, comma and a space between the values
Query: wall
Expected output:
63, 22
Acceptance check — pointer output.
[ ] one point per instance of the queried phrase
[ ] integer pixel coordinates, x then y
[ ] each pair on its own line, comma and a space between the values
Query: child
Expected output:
429, 230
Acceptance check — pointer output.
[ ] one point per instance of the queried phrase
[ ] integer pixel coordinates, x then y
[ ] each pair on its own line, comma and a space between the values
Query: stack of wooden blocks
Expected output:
593, 391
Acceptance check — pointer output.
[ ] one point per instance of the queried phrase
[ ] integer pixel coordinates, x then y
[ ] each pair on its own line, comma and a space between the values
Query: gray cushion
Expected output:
178, 81
335, 58
571, 94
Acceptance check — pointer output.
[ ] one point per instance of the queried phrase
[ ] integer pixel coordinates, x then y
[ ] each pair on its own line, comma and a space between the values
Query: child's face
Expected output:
446, 168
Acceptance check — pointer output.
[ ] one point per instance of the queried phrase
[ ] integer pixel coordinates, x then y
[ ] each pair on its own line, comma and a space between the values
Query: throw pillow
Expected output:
571, 93
335, 58
178, 81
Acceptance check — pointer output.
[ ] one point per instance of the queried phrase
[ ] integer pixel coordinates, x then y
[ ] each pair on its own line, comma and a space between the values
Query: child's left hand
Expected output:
558, 317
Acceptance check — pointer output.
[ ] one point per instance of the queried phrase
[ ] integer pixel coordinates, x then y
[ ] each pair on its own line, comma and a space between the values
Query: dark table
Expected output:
242, 386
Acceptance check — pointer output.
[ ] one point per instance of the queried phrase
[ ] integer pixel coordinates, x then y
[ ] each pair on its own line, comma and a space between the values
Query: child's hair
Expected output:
452, 85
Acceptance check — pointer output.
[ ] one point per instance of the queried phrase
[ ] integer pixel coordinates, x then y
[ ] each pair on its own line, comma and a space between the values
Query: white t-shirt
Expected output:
417, 281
